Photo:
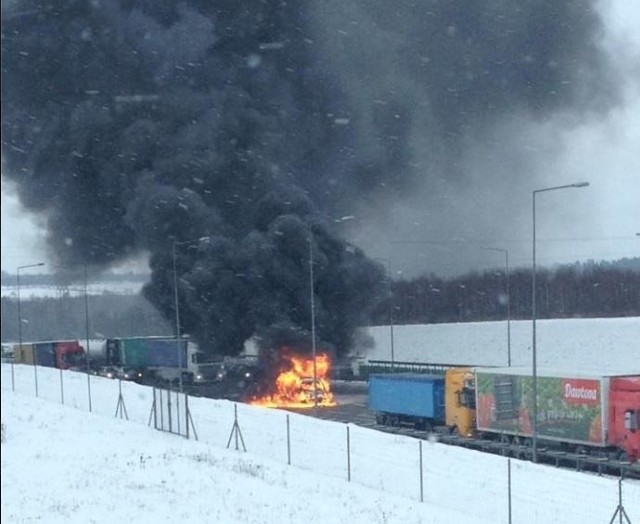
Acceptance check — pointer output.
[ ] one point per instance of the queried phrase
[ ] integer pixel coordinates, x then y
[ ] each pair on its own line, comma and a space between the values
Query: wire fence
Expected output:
493, 487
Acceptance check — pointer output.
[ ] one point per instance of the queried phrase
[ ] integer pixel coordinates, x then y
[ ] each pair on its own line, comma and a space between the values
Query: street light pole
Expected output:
35, 367
534, 424
506, 265
86, 325
313, 322
177, 307
177, 303
389, 308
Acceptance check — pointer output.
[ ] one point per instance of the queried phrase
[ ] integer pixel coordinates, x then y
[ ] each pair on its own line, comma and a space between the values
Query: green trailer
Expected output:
571, 408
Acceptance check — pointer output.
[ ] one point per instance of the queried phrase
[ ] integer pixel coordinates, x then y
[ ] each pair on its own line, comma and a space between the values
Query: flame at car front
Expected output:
294, 386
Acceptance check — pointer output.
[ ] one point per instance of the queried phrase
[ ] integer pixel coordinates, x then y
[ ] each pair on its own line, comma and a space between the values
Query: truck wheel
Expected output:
423, 425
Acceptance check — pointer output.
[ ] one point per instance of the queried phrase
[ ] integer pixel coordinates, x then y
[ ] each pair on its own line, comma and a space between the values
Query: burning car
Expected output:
308, 391
294, 385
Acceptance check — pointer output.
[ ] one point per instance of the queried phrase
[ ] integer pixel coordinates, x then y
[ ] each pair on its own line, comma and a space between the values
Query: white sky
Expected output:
605, 153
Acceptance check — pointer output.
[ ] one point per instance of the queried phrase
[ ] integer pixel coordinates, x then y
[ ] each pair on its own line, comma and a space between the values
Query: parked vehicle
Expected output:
60, 354
209, 373
407, 399
131, 374
106, 372
309, 392
575, 412
154, 359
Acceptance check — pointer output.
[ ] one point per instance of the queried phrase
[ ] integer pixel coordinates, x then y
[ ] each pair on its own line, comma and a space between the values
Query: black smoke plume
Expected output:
134, 124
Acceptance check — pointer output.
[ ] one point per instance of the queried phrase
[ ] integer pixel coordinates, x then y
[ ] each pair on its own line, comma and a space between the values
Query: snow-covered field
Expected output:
95, 288
600, 345
64, 464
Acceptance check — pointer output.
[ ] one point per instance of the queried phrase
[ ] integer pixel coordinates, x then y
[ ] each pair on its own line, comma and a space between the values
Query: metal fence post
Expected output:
186, 415
421, 474
61, 389
288, 442
89, 389
509, 486
348, 456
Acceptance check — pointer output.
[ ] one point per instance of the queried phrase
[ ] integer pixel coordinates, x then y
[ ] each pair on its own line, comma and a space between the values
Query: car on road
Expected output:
129, 374
106, 372
306, 386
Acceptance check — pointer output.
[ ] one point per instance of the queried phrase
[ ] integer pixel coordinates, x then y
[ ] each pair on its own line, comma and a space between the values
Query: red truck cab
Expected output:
69, 355
624, 415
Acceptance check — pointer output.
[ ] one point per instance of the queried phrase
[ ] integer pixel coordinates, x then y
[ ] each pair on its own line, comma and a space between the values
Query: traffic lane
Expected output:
350, 408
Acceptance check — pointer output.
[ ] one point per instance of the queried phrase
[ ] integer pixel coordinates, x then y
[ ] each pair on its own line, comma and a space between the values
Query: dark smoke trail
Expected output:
133, 124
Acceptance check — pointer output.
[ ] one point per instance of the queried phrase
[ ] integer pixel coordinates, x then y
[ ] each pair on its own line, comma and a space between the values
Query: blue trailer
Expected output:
408, 399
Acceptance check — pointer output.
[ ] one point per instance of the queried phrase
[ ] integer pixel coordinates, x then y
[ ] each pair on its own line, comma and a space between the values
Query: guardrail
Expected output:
387, 366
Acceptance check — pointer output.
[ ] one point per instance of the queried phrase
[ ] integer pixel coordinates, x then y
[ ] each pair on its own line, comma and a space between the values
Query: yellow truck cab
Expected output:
460, 400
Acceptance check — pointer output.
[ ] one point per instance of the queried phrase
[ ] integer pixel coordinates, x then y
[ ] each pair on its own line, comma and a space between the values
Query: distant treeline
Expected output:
594, 289
34, 278
580, 290
66, 318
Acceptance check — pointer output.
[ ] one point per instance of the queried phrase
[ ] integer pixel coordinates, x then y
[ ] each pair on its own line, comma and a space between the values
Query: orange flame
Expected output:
294, 387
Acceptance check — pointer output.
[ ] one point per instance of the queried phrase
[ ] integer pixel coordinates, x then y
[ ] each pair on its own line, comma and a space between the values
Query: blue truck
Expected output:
411, 399
150, 359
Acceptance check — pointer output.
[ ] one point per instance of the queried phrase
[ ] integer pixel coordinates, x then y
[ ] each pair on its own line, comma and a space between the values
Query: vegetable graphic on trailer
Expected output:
585, 410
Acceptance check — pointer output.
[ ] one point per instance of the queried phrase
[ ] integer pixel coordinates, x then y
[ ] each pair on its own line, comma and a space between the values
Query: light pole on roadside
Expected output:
86, 325
534, 425
389, 308
506, 265
177, 301
313, 321
35, 367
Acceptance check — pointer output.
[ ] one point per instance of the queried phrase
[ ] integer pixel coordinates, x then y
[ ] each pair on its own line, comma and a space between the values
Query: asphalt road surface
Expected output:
352, 405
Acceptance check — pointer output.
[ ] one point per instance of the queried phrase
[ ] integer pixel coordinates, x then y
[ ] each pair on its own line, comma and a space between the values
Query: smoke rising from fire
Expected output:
131, 125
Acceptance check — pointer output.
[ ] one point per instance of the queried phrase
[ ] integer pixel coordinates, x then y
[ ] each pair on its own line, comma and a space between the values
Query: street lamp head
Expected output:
498, 249
554, 188
31, 265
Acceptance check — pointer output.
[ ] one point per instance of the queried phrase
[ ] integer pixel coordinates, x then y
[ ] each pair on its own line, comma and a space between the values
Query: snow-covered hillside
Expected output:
600, 345
64, 464
94, 288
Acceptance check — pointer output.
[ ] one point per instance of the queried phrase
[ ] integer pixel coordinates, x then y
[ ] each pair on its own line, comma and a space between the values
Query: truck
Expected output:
443, 402
587, 413
151, 359
575, 411
59, 354
407, 399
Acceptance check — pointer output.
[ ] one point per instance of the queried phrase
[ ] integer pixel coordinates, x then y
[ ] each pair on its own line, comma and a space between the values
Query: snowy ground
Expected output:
94, 288
64, 464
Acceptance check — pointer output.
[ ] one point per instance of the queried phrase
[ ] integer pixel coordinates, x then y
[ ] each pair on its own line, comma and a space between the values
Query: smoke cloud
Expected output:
255, 126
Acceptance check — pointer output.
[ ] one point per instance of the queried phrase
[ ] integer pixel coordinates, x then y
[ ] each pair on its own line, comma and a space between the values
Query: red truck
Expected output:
624, 415
60, 354
582, 412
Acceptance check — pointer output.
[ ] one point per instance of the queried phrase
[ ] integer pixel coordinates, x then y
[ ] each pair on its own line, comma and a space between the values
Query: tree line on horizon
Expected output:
592, 289
602, 289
